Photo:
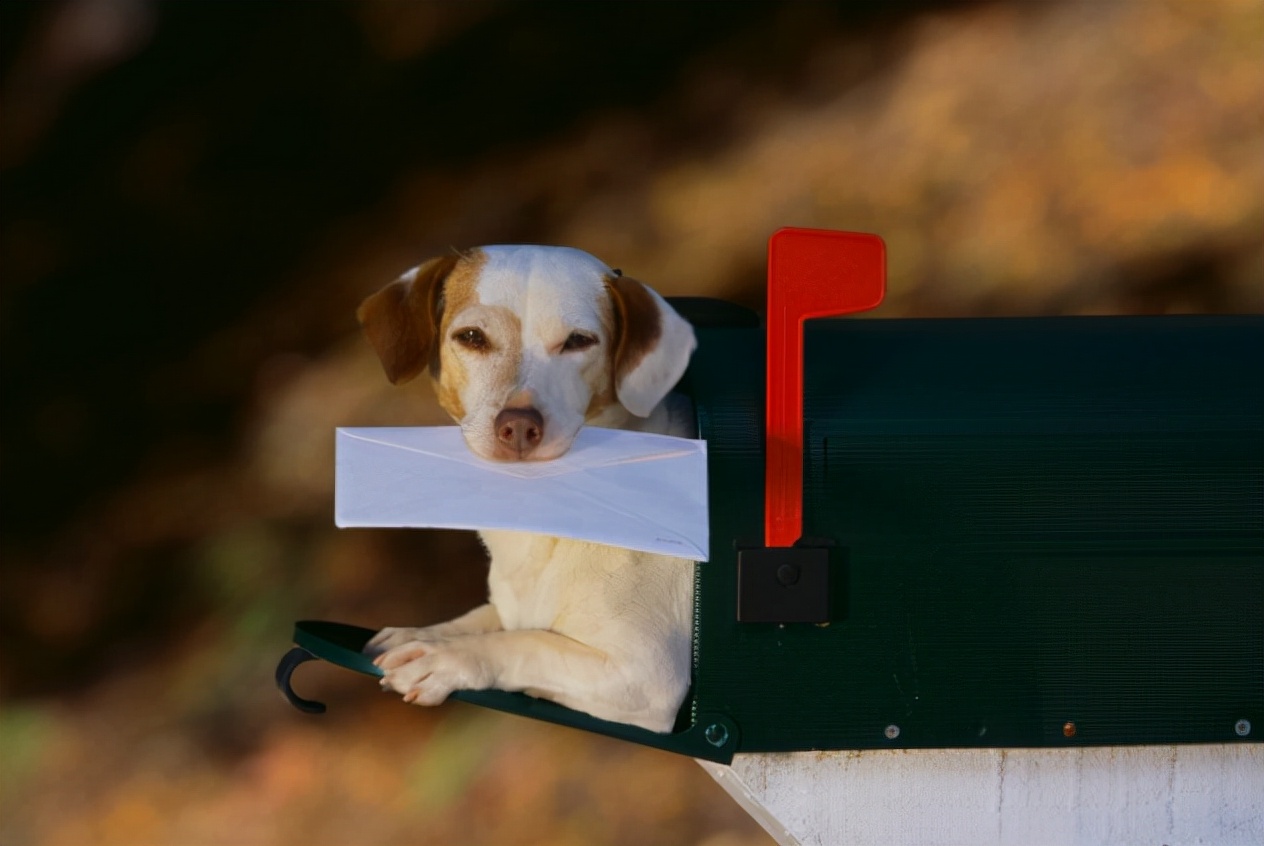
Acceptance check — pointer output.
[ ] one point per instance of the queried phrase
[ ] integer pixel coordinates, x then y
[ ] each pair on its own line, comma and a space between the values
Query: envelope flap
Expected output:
631, 489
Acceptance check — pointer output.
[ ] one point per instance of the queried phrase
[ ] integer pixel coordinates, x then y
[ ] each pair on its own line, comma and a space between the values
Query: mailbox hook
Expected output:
296, 656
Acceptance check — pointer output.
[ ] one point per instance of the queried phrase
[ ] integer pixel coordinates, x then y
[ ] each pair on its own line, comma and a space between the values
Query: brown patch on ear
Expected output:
401, 321
638, 324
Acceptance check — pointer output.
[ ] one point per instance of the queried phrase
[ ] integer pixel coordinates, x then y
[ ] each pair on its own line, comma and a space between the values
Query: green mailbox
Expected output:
1031, 532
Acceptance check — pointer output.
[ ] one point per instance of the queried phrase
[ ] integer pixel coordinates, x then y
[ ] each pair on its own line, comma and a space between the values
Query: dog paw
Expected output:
426, 673
391, 637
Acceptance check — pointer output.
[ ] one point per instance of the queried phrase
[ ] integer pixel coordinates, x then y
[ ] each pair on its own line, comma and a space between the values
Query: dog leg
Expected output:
481, 620
541, 663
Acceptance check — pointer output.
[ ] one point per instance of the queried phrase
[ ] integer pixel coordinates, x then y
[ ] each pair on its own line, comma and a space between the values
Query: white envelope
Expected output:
629, 489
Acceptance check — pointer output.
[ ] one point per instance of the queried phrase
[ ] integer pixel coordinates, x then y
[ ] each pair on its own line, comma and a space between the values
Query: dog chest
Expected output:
541, 582
583, 589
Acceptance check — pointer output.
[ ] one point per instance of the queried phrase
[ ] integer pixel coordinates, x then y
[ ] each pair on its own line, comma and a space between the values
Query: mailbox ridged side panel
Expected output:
1051, 532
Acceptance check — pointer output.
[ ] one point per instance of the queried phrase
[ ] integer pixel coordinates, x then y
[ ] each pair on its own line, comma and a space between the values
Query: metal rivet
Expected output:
892, 731
716, 734
1068, 729
788, 575
1242, 728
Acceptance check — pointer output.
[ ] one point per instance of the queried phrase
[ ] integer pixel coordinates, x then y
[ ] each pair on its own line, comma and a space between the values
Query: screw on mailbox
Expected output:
717, 735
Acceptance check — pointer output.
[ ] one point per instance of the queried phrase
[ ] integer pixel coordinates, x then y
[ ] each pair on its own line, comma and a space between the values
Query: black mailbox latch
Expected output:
783, 585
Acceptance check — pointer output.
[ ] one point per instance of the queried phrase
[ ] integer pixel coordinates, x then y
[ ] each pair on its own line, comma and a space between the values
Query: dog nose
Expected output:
520, 429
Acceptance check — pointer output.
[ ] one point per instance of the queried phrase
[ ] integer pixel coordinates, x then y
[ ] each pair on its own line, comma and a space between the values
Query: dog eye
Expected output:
472, 338
578, 341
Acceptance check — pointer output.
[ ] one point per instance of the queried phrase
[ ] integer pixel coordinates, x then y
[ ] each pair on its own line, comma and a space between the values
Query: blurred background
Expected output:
195, 197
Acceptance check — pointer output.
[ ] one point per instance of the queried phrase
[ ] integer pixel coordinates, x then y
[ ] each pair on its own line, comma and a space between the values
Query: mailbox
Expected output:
1010, 532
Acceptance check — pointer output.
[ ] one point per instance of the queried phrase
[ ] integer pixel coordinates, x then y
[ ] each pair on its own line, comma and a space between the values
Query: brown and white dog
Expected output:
525, 344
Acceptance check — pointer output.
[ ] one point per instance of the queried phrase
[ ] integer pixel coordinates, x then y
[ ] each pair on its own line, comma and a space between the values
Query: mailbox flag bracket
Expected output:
811, 273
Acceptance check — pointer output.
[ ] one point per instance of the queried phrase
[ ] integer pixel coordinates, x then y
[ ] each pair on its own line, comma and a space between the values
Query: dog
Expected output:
524, 345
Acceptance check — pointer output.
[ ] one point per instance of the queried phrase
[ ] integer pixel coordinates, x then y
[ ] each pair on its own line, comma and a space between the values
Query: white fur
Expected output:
600, 629
553, 292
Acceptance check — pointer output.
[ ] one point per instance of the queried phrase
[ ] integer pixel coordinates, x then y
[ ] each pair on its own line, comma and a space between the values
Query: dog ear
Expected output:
652, 345
401, 321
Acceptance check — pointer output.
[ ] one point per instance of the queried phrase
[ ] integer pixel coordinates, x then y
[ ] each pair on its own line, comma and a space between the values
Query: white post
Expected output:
1089, 795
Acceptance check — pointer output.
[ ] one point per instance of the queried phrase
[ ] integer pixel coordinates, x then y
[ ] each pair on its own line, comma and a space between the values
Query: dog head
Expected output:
526, 343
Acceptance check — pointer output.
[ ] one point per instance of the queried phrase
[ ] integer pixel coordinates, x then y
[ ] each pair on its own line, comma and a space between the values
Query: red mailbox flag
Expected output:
811, 273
